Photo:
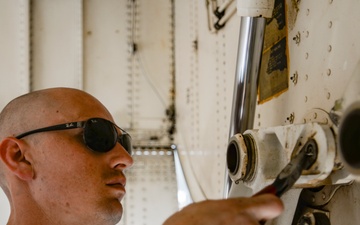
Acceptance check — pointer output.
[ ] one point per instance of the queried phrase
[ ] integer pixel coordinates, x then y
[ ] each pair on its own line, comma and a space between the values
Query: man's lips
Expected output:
117, 182
117, 187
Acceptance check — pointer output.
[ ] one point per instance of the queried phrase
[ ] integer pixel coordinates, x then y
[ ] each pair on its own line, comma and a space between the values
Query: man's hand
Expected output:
244, 211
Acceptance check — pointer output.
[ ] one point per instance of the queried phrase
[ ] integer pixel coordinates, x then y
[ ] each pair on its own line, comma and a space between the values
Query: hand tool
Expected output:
303, 160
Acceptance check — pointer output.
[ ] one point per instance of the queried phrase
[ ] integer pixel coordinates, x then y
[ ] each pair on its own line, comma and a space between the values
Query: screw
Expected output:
297, 38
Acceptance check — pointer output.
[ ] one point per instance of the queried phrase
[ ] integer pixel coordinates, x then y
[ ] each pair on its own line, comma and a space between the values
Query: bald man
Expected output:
62, 161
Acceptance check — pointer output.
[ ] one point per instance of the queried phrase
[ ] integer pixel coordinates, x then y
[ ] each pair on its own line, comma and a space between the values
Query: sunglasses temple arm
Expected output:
66, 126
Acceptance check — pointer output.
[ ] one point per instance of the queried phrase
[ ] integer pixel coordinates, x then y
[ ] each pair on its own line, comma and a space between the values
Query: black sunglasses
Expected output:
100, 135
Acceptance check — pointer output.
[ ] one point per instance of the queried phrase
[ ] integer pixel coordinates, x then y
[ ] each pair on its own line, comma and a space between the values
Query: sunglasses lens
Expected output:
125, 141
100, 135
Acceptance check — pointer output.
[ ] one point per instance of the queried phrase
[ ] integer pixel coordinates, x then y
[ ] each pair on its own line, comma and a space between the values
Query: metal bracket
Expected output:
220, 13
320, 196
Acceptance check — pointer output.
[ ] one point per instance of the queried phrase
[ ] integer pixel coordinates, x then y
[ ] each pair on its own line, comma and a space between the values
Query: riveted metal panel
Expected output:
87, 45
321, 61
323, 50
14, 63
204, 82
128, 50
14, 49
105, 56
56, 44
151, 187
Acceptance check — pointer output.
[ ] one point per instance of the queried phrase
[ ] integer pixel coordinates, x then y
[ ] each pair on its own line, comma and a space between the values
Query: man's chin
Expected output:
114, 212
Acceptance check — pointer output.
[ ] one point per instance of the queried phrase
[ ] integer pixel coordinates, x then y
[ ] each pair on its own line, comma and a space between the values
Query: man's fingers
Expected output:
265, 207
245, 211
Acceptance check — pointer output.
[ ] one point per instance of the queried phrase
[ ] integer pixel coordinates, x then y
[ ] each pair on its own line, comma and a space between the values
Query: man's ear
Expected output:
13, 154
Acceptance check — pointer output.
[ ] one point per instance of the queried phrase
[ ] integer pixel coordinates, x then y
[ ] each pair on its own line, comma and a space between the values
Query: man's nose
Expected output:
121, 159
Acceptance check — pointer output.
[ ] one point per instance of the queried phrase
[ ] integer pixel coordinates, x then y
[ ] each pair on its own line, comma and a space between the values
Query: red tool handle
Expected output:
270, 189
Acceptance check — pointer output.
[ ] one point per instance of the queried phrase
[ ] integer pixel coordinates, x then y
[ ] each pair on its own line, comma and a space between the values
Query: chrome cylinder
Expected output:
246, 79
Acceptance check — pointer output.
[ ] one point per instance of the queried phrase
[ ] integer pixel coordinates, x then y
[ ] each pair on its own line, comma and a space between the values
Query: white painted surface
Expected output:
14, 48
204, 82
324, 61
57, 44
134, 85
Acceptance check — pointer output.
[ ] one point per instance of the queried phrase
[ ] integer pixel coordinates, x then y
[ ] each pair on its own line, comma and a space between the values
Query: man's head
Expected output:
54, 172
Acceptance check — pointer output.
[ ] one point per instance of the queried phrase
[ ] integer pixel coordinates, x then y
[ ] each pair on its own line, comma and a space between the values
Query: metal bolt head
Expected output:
307, 219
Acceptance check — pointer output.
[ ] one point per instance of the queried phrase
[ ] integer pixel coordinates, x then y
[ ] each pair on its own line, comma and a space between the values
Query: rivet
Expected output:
294, 78
297, 38
330, 24
306, 98
328, 72
291, 118
329, 48
307, 34
307, 12
328, 95
306, 77
330, 1
315, 115
306, 55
